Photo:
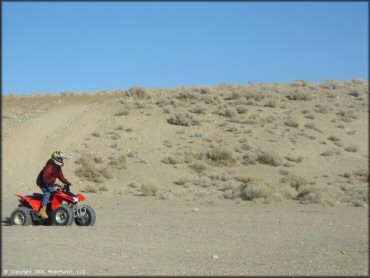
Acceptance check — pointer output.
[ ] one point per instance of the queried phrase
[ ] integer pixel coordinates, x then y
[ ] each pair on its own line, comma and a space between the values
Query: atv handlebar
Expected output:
63, 188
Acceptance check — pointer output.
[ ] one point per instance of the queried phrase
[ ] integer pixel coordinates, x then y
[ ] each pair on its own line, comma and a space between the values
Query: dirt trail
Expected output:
27, 147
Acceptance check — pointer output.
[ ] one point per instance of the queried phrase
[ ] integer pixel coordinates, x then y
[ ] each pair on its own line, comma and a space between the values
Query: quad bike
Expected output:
62, 209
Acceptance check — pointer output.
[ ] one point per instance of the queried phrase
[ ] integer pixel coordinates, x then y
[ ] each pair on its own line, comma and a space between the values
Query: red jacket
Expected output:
50, 173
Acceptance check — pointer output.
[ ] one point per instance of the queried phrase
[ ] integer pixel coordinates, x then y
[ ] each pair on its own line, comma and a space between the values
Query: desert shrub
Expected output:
351, 148
286, 191
118, 162
347, 116
294, 181
103, 188
138, 92
171, 160
197, 109
354, 93
321, 109
334, 138
331, 84
197, 167
299, 95
149, 189
292, 123
250, 158
256, 96
183, 119
98, 160
221, 156
241, 109
330, 152
271, 103
357, 195
310, 116
122, 112
294, 159
119, 128
181, 181
90, 189
115, 136
253, 188
107, 172
167, 110
87, 168
269, 158
361, 174
321, 194
312, 126
185, 94
227, 112
96, 134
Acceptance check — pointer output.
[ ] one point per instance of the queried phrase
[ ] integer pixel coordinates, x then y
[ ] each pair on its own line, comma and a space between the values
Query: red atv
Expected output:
62, 209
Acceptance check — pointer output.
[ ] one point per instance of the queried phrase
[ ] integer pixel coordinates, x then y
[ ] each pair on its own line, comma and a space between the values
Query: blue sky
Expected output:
91, 46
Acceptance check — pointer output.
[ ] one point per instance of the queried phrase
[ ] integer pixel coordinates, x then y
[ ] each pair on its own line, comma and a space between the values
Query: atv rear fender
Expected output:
34, 204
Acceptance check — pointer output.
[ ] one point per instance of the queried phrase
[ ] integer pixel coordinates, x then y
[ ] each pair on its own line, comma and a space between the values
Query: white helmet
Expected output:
58, 158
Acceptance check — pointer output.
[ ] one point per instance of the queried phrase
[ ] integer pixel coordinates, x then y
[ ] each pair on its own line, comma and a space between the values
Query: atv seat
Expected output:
37, 195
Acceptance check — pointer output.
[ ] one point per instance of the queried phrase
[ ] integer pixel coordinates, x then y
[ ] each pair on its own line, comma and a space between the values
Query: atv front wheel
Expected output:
21, 216
62, 216
88, 219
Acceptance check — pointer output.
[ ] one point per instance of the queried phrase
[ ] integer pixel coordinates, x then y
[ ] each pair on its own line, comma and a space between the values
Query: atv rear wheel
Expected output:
21, 216
88, 219
62, 216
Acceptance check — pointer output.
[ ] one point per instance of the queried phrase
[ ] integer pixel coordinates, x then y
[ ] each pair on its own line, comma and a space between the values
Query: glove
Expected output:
66, 187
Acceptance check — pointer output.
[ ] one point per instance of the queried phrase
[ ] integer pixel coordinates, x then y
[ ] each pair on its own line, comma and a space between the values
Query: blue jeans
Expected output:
47, 190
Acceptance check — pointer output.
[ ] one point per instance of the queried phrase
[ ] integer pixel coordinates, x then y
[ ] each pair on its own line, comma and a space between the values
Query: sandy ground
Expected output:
198, 219
144, 236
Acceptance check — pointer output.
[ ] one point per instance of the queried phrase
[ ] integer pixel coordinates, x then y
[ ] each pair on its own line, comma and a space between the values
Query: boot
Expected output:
42, 213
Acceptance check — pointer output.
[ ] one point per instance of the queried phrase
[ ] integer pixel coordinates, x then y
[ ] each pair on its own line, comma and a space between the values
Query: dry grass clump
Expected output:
228, 112
313, 127
294, 181
294, 159
149, 189
347, 116
351, 148
269, 158
183, 119
334, 138
198, 109
362, 174
299, 95
321, 194
107, 172
253, 188
357, 195
292, 123
250, 158
220, 156
172, 160
331, 152
89, 189
138, 93
241, 109
271, 103
87, 169
119, 162
103, 188
197, 167
122, 112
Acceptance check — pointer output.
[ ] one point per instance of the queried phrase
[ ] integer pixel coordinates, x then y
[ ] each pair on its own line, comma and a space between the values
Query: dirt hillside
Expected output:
145, 158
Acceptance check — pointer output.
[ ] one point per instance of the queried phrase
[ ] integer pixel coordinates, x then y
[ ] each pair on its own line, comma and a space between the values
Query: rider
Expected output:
47, 177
